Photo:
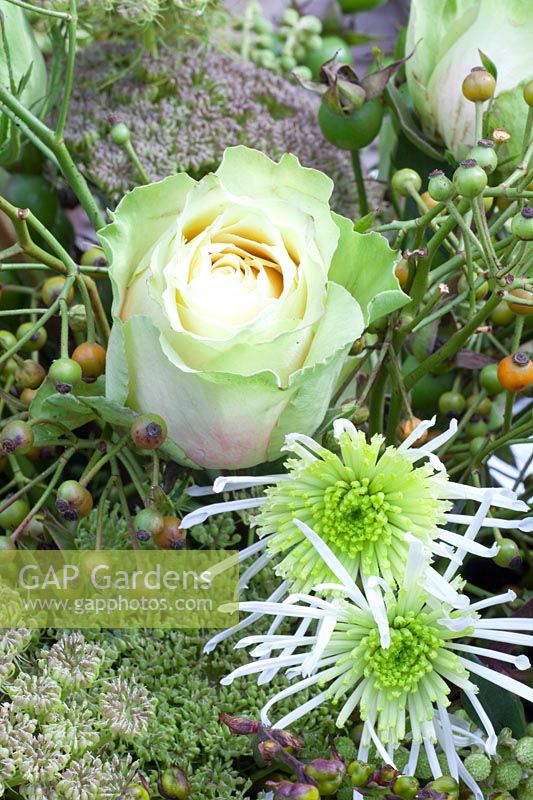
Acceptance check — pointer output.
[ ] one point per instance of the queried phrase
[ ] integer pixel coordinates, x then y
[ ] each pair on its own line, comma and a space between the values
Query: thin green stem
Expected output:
359, 182
69, 73
453, 344
106, 458
38, 10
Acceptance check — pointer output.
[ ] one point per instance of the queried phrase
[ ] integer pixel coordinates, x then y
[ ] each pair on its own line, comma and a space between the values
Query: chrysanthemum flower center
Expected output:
352, 516
414, 646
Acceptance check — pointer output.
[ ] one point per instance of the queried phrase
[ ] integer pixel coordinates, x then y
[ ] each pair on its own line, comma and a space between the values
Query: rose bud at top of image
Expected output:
447, 37
236, 301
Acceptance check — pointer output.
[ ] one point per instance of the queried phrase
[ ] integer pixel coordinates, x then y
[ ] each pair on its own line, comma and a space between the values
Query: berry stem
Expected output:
69, 73
360, 183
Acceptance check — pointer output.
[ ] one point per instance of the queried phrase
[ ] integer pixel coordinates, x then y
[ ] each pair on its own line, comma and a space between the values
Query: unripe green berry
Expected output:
524, 752
7, 340
12, 516
36, 341
173, 784
485, 155
65, 374
451, 403
528, 93
95, 257
120, 133
406, 180
16, 437
522, 224
52, 288
440, 188
149, 431
478, 765
509, 555
508, 775
73, 500
148, 522
476, 445
488, 378
469, 178
479, 85
406, 786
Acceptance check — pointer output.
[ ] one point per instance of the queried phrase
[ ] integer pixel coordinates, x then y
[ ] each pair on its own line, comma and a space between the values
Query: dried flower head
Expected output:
72, 661
126, 706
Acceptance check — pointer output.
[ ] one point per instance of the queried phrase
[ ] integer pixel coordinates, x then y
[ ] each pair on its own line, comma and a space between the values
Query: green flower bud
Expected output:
445, 784
406, 180
478, 765
286, 790
406, 786
508, 775
328, 774
524, 752
173, 784
120, 133
359, 773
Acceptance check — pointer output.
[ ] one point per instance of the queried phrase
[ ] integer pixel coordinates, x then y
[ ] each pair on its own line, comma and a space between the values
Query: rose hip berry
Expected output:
65, 374
91, 358
73, 501
149, 431
16, 437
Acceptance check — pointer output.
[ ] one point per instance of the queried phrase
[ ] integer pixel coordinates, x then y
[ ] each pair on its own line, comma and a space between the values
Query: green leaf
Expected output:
504, 709
67, 410
489, 65
116, 415
408, 125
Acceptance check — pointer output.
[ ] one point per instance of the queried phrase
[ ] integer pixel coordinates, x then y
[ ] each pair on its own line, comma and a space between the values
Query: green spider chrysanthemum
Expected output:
395, 655
361, 503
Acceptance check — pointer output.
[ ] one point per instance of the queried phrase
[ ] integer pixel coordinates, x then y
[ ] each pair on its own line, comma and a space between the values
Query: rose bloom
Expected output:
236, 301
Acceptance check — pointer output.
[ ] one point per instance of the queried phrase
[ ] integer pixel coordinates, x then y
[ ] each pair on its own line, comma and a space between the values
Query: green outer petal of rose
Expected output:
139, 221
214, 414
364, 263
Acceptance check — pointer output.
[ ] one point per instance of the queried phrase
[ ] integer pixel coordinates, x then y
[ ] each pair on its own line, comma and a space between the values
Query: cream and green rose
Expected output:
236, 301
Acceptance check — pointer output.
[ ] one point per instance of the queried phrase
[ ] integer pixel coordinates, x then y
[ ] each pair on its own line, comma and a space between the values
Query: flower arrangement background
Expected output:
256, 297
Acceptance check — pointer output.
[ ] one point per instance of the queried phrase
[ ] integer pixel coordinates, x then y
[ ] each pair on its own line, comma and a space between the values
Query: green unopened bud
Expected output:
406, 786
508, 775
445, 784
77, 317
328, 774
286, 790
173, 784
359, 773
524, 752
478, 765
